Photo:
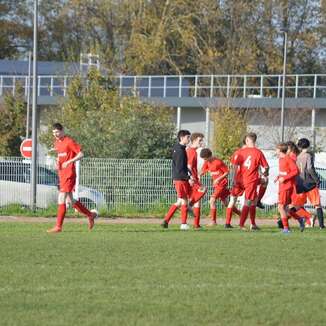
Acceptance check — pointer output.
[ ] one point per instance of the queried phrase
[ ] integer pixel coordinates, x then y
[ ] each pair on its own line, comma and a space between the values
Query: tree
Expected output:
12, 123
230, 126
108, 125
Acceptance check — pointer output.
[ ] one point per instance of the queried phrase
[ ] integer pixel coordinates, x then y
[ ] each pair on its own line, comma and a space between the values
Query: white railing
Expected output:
245, 86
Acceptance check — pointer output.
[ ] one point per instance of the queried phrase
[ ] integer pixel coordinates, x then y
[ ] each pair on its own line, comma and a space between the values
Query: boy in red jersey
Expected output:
182, 180
249, 160
69, 152
288, 170
234, 193
219, 172
197, 189
297, 209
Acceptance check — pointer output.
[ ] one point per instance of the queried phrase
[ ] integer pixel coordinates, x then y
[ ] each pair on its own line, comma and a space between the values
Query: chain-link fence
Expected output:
107, 184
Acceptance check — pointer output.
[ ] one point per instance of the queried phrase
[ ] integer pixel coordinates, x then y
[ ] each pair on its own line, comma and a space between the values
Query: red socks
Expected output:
170, 213
252, 214
213, 215
82, 209
61, 214
244, 215
303, 213
184, 213
261, 192
285, 222
196, 211
237, 211
228, 215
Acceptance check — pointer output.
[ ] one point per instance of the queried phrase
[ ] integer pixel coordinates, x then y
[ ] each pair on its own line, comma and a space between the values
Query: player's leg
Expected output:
212, 205
196, 210
314, 198
61, 212
261, 191
197, 193
91, 215
229, 211
284, 199
284, 218
249, 206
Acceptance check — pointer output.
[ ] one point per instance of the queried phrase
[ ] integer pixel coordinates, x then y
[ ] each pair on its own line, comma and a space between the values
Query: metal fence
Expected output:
245, 86
104, 183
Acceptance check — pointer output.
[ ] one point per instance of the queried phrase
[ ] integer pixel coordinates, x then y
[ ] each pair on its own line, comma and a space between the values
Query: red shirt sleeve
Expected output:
293, 169
263, 161
204, 168
73, 146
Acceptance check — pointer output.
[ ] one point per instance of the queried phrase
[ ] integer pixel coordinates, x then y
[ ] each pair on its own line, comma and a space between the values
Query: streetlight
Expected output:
34, 112
285, 32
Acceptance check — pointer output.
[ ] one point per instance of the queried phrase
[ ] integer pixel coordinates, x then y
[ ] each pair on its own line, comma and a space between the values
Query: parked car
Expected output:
15, 177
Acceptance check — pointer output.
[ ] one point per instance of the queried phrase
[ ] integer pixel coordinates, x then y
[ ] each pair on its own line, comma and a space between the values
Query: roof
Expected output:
18, 67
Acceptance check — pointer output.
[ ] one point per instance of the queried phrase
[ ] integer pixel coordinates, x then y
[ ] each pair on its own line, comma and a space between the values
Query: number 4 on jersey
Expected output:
247, 162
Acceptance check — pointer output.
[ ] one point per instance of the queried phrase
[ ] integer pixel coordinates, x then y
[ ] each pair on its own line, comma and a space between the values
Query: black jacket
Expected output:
308, 177
179, 163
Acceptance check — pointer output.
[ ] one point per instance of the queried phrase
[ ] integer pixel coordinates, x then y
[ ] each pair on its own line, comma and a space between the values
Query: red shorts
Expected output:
250, 190
313, 196
197, 192
182, 188
298, 199
67, 184
221, 193
285, 197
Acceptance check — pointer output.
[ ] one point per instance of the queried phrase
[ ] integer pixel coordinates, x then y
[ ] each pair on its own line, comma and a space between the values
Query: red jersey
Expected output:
232, 161
216, 167
293, 156
249, 159
67, 149
192, 162
287, 170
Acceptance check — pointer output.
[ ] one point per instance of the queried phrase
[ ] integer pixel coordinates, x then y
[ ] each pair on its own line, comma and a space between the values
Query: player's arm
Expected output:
225, 173
264, 165
294, 171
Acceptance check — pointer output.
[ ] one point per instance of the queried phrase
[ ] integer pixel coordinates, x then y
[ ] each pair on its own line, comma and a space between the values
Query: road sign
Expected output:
26, 148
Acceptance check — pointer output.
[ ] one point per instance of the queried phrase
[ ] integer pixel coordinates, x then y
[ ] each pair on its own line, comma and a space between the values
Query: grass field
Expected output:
142, 275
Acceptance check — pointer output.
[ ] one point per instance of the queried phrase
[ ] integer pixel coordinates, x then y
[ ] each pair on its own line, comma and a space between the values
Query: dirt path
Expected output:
118, 220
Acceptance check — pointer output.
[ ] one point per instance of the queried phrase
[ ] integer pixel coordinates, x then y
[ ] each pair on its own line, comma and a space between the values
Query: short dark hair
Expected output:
303, 143
206, 153
283, 147
182, 133
196, 135
252, 136
57, 126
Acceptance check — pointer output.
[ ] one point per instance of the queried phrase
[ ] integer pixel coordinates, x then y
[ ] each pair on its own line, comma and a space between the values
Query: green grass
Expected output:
120, 210
142, 275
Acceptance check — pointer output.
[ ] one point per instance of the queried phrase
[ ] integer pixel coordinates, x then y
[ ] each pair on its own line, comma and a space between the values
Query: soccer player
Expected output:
297, 209
288, 170
234, 193
308, 180
197, 189
219, 173
181, 179
249, 160
69, 152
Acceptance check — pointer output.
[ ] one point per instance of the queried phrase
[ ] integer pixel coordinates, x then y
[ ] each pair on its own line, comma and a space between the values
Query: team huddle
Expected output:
297, 179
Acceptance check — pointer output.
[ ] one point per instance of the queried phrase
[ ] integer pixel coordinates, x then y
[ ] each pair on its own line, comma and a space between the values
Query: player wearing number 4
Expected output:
69, 152
248, 162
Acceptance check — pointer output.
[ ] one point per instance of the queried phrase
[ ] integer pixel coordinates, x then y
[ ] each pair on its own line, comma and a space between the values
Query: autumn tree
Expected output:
12, 123
108, 125
230, 126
